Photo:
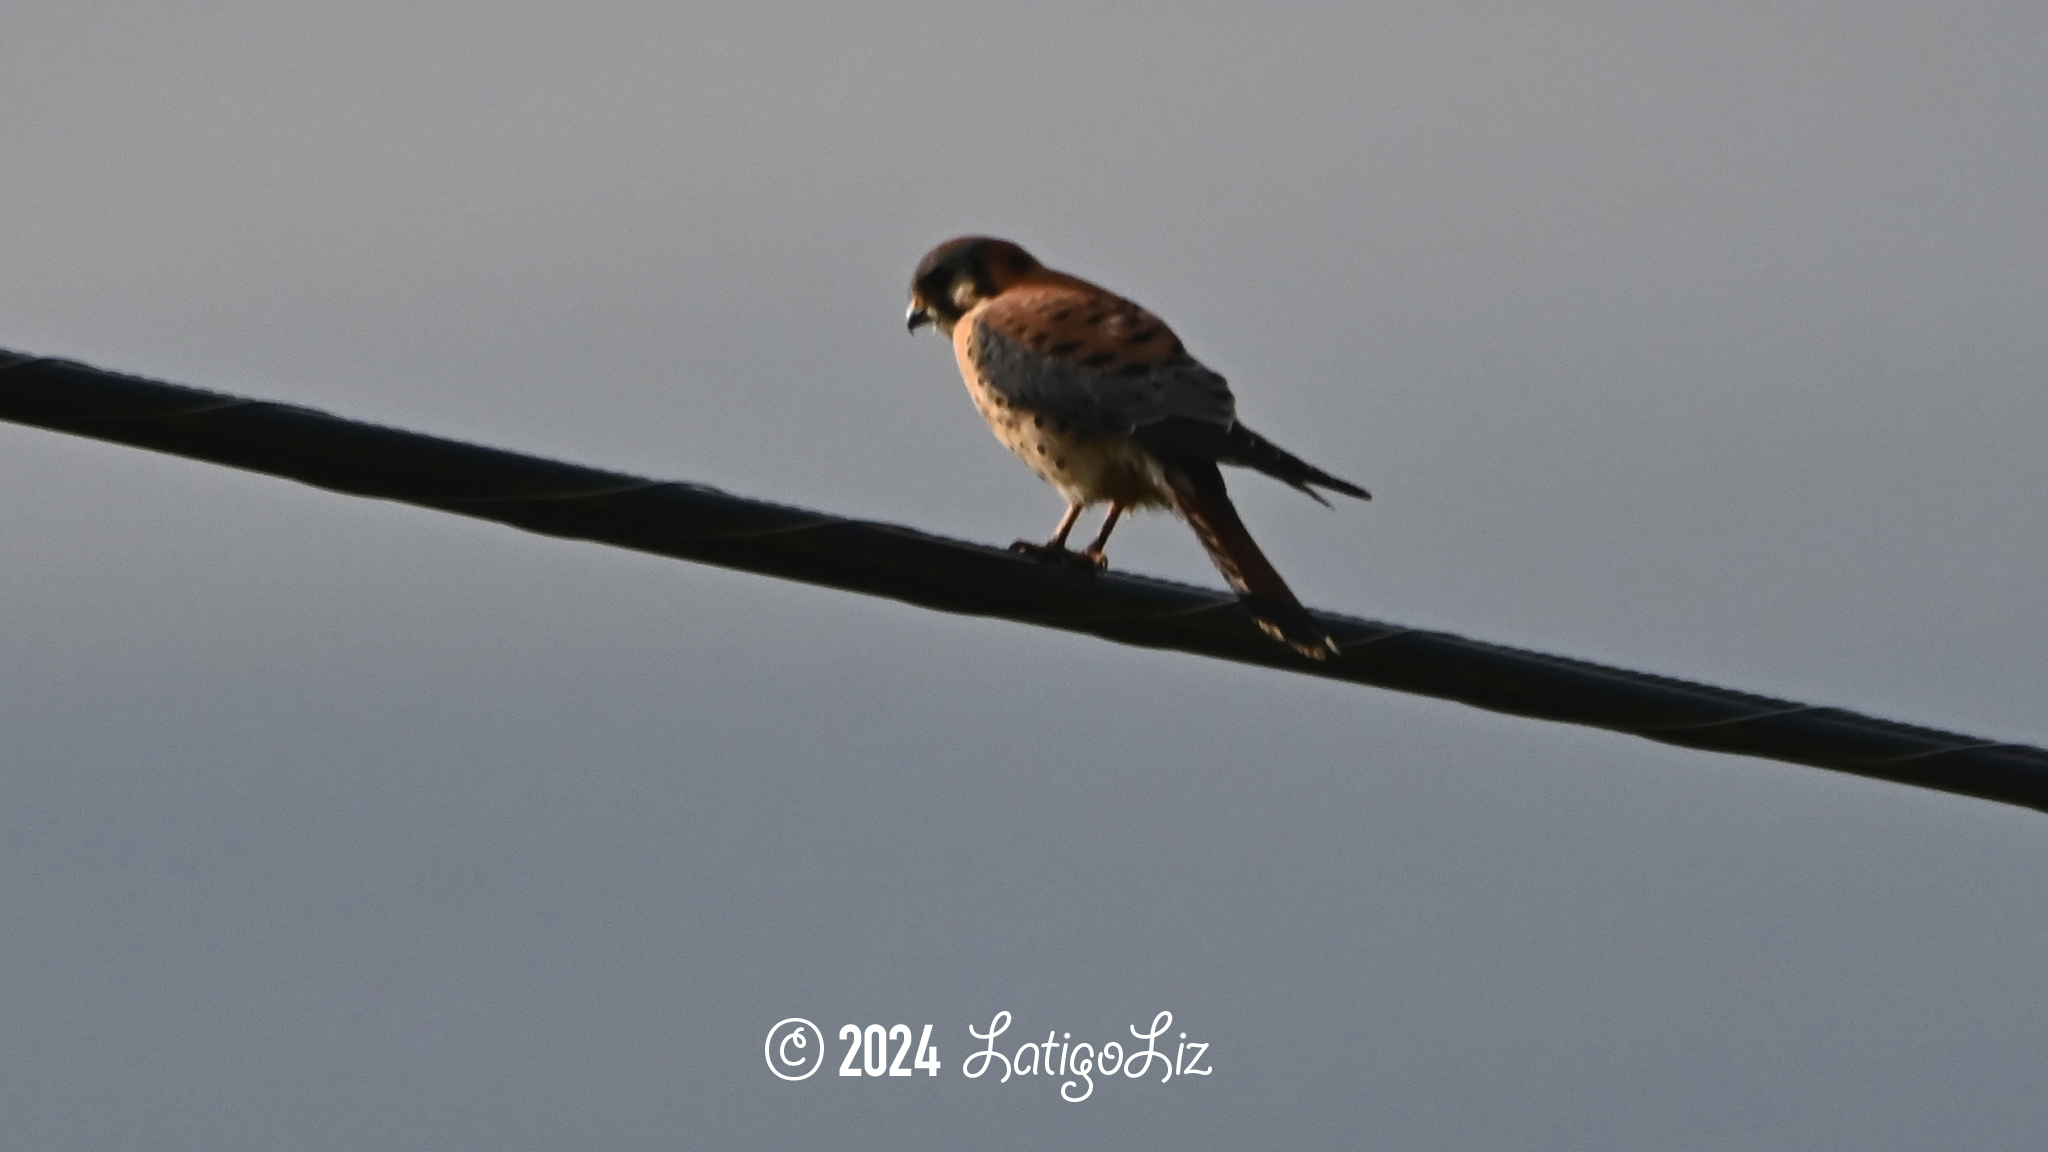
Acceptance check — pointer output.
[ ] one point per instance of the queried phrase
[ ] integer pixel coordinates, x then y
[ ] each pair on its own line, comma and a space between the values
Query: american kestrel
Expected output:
1104, 403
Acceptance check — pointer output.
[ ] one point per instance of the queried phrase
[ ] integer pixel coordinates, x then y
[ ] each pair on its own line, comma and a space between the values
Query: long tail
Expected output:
1200, 497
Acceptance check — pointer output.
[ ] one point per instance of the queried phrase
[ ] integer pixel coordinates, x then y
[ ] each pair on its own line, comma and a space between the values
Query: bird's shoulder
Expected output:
1065, 348
1073, 322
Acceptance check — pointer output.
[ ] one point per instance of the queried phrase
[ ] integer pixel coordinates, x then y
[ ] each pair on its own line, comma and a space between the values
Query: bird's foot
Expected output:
1060, 554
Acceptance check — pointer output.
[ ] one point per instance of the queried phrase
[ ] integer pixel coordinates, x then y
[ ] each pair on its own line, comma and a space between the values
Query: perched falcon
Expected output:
1103, 401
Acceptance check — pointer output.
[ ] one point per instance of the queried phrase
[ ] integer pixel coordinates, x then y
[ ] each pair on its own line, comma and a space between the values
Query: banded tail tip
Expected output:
1291, 625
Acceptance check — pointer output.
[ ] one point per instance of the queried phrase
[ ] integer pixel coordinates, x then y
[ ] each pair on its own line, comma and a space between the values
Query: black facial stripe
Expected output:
935, 289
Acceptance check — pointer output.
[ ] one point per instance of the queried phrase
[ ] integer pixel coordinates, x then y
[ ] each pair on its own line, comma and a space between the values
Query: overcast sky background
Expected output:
1709, 340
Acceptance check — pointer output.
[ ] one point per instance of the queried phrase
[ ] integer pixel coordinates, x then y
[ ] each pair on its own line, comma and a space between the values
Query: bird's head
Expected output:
959, 274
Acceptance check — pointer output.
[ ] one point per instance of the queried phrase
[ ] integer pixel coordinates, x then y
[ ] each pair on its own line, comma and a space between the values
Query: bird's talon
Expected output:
1060, 554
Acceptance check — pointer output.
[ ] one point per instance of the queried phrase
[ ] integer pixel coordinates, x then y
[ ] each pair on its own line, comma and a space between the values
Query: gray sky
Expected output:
1708, 340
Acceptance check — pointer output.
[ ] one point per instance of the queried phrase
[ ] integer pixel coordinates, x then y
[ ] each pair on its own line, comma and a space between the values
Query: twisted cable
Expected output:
702, 524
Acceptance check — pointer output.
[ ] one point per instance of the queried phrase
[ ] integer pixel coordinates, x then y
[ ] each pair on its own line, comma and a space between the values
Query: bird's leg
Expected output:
1055, 549
1093, 552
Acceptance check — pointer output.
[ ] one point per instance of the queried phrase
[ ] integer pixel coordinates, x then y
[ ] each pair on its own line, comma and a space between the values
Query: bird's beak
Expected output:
917, 317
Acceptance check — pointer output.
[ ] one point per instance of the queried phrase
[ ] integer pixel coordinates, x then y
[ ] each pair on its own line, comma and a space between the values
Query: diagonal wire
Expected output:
694, 522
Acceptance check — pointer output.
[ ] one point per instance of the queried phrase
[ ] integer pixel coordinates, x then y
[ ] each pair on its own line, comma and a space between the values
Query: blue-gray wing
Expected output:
1094, 379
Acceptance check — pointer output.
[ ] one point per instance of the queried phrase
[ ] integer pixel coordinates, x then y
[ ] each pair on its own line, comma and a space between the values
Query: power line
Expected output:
694, 522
